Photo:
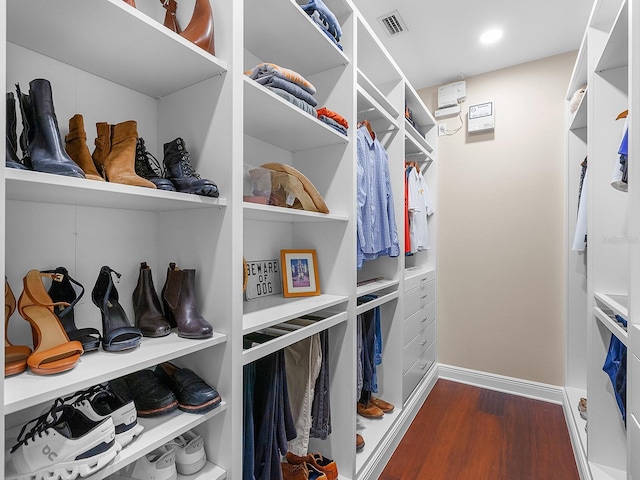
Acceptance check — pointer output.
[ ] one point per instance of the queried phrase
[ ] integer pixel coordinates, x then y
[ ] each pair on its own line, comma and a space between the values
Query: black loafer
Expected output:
194, 394
151, 396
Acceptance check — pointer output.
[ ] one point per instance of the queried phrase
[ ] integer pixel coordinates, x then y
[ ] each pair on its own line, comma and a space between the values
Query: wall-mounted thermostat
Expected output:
481, 117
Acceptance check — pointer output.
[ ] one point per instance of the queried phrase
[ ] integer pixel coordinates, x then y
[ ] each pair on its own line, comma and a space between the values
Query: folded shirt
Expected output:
288, 86
263, 69
326, 16
323, 26
301, 104
333, 124
333, 115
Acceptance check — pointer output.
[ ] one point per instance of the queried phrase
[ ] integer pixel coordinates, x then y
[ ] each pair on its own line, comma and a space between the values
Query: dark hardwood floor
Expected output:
469, 433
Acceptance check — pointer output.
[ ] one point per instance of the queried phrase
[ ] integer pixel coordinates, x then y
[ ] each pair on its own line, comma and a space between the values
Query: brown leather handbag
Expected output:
200, 28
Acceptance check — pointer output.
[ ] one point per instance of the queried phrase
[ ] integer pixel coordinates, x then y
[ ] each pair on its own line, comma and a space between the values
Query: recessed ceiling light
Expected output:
491, 36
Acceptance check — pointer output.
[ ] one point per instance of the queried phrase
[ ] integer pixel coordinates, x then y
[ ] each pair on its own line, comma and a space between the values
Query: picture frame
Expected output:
299, 273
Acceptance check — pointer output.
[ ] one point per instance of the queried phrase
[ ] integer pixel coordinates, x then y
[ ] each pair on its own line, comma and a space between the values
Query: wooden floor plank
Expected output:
464, 432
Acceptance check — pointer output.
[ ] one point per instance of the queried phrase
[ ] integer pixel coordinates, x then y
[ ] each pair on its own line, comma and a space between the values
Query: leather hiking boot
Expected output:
40, 140
12, 160
369, 410
182, 174
76, 147
386, 407
180, 307
115, 153
147, 166
146, 306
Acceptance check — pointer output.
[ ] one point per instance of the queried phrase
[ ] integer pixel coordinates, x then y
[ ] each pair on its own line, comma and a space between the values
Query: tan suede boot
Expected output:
115, 153
76, 147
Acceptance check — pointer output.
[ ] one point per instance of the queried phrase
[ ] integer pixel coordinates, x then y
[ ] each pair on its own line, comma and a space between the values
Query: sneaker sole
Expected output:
191, 468
125, 438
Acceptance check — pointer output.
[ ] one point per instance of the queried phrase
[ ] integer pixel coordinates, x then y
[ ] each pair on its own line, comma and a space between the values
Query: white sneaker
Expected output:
160, 464
100, 402
62, 444
190, 454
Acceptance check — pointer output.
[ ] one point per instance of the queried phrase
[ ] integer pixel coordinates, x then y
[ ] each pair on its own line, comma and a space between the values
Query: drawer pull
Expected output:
423, 343
423, 279
424, 296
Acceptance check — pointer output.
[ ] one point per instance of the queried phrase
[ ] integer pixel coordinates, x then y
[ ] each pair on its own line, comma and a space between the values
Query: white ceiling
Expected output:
441, 44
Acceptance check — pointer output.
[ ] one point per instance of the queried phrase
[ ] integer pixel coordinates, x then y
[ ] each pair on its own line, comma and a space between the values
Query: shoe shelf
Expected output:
28, 389
370, 109
377, 286
610, 322
210, 471
579, 119
282, 44
143, 54
616, 50
262, 350
34, 186
374, 431
272, 119
269, 213
380, 98
267, 312
574, 395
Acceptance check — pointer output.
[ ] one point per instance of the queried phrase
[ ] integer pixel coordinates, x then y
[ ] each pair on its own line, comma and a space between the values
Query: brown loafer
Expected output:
386, 407
369, 410
326, 466
359, 442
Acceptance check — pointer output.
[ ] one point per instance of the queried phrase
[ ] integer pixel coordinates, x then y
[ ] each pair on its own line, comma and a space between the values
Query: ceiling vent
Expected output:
393, 23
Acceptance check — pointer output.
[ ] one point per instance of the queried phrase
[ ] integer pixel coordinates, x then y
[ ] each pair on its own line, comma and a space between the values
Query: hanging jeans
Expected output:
321, 408
248, 447
368, 354
303, 360
615, 365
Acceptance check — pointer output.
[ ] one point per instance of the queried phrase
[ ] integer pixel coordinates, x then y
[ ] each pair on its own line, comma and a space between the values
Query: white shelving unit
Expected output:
111, 63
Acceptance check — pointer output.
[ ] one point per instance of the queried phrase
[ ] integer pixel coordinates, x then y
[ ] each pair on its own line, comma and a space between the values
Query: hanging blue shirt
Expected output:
377, 231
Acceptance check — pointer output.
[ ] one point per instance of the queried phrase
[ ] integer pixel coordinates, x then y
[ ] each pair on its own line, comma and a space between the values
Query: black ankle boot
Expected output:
181, 173
12, 160
41, 141
148, 167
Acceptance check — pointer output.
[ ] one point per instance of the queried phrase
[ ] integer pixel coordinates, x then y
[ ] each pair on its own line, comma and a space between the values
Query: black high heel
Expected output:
117, 332
61, 290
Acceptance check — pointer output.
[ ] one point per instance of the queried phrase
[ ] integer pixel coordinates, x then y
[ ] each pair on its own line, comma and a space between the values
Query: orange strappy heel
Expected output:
53, 352
15, 356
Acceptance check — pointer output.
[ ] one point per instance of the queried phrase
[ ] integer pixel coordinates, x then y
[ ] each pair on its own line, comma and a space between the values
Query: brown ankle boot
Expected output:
115, 153
76, 147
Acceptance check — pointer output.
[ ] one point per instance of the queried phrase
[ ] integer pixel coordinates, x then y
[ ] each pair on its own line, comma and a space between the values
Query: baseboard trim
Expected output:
379, 458
501, 383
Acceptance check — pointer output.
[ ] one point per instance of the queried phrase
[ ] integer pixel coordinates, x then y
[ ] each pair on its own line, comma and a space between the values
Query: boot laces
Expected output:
42, 425
186, 167
146, 164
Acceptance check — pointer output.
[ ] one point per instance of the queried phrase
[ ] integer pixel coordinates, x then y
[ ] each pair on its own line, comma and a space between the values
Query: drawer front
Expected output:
427, 336
411, 282
410, 354
634, 428
419, 297
418, 322
418, 370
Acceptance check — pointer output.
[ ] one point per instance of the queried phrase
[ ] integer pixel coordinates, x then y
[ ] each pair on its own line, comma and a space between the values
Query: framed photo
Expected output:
299, 273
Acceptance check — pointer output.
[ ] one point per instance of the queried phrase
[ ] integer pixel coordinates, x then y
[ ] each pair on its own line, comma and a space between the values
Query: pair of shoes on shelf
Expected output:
40, 141
53, 351
376, 408
359, 442
62, 443
178, 174
183, 455
302, 471
316, 461
166, 388
180, 306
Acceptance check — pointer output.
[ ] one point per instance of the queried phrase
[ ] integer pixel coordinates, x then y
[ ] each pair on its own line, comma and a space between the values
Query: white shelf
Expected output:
421, 114
373, 430
270, 213
143, 54
614, 327
266, 312
280, 43
158, 431
414, 148
28, 389
374, 60
365, 307
616, 302
616, 51
604, 472
574, 395
579, 74
270, 118
370, 109
579, 119
417, 139
376, 286
210, 471
31, 186
373, 91
259, 351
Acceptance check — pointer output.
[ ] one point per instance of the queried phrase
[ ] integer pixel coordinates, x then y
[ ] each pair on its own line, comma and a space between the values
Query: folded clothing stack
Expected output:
333, 119
325, 18
290, 85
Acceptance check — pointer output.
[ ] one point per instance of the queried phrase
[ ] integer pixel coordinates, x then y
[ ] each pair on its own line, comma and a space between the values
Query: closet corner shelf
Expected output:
376, 286
618, 303
129, 33
272, 119
613, 326
579, 119
30, 186
616, 50
416, 138
373, 111
259, 351
158, 431
373, 91
296, 42
28, 389
270, 213
266, 312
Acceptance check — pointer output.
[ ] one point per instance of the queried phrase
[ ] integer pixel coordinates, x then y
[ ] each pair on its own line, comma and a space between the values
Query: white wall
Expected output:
501, 226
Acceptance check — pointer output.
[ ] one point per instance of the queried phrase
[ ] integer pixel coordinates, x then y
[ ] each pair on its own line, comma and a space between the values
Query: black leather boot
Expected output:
12, 160
41, 141
181, 173
145, 163
180, 307
146, 306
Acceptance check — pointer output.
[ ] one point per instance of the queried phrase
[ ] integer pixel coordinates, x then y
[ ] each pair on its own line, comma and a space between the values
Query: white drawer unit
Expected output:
418, 321
418, 297
417, 371
416, 280
416, 347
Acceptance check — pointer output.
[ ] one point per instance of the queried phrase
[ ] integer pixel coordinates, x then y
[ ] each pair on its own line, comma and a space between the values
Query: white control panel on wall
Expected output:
481, 117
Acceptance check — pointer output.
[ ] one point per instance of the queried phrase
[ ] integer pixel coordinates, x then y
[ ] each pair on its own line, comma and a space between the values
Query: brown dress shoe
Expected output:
386, 407
359, 442
294, 472
369, 410
315, 459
